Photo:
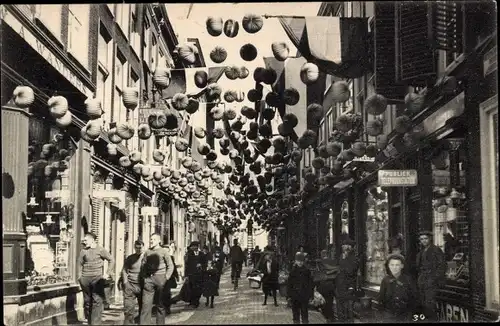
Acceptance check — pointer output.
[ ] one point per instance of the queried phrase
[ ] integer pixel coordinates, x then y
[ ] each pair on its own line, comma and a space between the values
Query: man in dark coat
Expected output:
431, 268
237, 258
218, 261
300, 289
255, 256
196, 263
345, 283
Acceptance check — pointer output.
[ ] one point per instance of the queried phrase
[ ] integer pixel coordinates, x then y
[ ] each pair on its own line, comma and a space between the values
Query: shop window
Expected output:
78, 32
377, 235
49, 217
51, 17
450, 224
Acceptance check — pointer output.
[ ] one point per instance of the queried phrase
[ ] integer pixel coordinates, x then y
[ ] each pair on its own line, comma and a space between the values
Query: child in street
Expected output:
210, 284
300, 289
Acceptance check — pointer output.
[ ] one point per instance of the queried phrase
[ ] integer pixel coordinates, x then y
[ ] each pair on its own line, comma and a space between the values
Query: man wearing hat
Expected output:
300, 289
431, 268
196, 263
345, 283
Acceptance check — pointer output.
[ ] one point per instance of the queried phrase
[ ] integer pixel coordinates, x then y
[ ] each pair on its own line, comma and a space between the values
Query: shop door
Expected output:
412, 243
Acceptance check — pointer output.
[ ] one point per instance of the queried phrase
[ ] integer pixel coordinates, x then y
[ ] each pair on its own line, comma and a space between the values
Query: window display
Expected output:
450, 226
377, 235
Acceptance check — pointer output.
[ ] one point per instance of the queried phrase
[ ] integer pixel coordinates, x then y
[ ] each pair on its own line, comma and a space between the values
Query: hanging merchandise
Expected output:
374, 127
199, 132
231, 28
93, 108
161, 77
23, 96
318, 163
285, 130
125, 130
125, 161
252, 23
58, 106
65, 120
93, 129
229, 114
192, 106
218, 54
201, 78
402, 124
258, 74
224, 142
232, 72
230, 96
213, 91
309, 73
203, 149
218, 132
248, 52
137, 168
187, 52
158, 156
214, 26
180, 101
280, 50
181, 144
269, 76
243, 72
323, 153
375, 104
340, 91
113, 137
144, 131
291, 96
254, 95
112, 150
157, 120
333, 148
165, 171
273, 99
240, 96
217, 113
346, 155
135, 156
130, 97
248, 112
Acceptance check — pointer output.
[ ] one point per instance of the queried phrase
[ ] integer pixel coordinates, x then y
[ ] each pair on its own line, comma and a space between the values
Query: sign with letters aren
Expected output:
452, 312
397, 178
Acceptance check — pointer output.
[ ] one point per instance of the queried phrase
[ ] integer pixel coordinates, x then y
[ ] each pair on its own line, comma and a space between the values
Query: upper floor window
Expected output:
51, 17
105, 48
123, 17
78, 32
154, 52
135, 39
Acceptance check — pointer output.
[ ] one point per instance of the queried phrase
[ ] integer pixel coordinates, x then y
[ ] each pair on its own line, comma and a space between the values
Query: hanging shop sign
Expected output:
150, 211
452, 312
397, 178
490, 63
57, 194
47, 54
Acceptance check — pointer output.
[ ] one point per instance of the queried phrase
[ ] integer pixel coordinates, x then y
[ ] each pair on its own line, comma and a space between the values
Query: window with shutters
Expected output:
447, 28
97, 206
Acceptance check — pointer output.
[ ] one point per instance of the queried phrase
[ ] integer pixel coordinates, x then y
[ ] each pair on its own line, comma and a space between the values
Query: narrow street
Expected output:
243, 306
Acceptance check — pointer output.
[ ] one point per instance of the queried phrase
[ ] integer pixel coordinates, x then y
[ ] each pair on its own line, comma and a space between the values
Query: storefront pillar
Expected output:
15, 122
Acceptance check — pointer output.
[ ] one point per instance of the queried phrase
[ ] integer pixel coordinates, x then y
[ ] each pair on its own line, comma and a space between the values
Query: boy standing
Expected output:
300, 289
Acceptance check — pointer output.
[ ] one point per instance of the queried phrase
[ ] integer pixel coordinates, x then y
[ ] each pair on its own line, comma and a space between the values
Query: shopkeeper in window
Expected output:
431, 268
92, 280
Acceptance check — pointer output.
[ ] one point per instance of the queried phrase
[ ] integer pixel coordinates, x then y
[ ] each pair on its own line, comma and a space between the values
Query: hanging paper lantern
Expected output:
285, 130
158, 156
144, 131
280, 50
346, 155
23, 96
248, 52
309, 73
248, 112
229, 114
273, 99
217, 113
203, 149
65, 120
414, 102
375, 104
265, 130
187, 52
231, 28
214, 26
252, 23
240, 96
180, 101
371, 150
211, 156
402, 124
201, 78
125, 130
268, 114
192, 106
230, 96
138, 168
258, 74
218, 54
218, 133
130, 97
58, 106
187, 161
322, 152
291, 96
374, 127
157, 120
344, 123
224, 142
269, 76
314, 112
195, 166
199, 132
181, 145
93, 108
93, 129
112, 150
254, 95
447, 84
243, 72
382, 142
161, 77
358, 148
213, 91
165, 171
113, 137
340, 91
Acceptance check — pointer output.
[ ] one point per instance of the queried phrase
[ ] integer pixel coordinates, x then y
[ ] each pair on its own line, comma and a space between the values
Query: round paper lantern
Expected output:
201, 79
130, 97
125, 130
93, 129
187, 161
231, 28
414, 102
58, 106
158, 156
135, 156
374, 127
382, 142
218, 54
93, 108
181, 145
180, 101
358, 148
217, 113
243, 72
249, 112
218, 133
187, 52
161, 77
248, 52
124, 161
254, 95
113, 137
371, 150
214, 26
258, 74
344, 123
280, 50
273, 99
192, 106
65, 120
402, 124
375, 104
112, 149
240, 96
230, 114
165, 171
346, 155
23, 96
224, 151
265, 130
269, 76
230, 96
285, 130
213, 91
309, 73
252, 23
232, 73
224, 142
291, 96
199, 132
203, 149
340, 91
315, 112
144, 131
157, 120
211, 156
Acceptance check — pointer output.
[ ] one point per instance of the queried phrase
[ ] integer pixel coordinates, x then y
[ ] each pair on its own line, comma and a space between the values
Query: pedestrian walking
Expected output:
270, 283
345, 283
398, 293
237, 258
196, 263
157, 268
131, 283
92, 279
210, 284
255, 256
300, 289
218, 262
431, 268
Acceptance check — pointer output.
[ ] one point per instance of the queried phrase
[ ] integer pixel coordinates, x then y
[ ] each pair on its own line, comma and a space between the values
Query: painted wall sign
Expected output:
452, 312
490, 62
397, 178
47, 54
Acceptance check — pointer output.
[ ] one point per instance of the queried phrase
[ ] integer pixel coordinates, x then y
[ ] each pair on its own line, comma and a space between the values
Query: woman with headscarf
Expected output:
270, 284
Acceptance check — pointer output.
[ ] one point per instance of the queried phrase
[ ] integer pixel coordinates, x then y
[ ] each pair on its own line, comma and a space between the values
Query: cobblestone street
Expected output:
243, 306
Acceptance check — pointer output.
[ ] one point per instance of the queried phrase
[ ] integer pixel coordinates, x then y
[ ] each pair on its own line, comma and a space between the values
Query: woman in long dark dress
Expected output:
210, 284
270, 284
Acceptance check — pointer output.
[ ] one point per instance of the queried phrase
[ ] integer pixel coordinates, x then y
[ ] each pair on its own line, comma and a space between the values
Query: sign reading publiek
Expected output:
397, 178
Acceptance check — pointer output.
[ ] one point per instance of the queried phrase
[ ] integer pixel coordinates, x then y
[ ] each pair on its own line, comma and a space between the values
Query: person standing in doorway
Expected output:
131, 283
237, 258
300, 289
431, 268
345, 283
157, 268
196, 263
92, 280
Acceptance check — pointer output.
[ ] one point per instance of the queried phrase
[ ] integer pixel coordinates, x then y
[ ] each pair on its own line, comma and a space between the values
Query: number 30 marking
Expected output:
418, 317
